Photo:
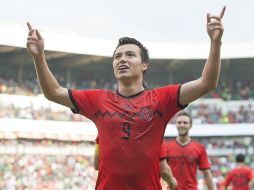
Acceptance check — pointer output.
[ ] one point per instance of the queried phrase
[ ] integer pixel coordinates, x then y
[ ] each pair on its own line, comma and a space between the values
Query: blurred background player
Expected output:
185, 156
240, 177
165, 170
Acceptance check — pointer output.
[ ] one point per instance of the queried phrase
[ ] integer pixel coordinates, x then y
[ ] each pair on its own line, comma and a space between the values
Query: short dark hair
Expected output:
143, 49
183, 113
240, 158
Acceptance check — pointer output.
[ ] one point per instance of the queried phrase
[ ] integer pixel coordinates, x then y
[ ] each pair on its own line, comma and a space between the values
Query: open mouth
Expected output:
123, 68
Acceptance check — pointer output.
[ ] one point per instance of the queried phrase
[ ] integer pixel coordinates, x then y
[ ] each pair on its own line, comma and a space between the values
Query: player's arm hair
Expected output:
166, 173
208, 178
48, 83
208, 81
96, 157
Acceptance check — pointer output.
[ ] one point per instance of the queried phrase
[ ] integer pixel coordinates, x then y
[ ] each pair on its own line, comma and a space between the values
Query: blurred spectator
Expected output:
203, 113
226, 90
74, 171
39, 171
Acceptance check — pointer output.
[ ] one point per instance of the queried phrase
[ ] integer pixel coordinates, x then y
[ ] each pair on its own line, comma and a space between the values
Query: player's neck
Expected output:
130, 89
240, 164
183, 140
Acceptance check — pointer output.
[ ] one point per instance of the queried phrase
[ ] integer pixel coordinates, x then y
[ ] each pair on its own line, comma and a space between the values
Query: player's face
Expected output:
183, 125
127, 62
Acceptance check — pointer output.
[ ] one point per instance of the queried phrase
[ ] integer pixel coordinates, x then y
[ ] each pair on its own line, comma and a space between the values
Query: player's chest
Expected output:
138, 110
183, 155
129, 119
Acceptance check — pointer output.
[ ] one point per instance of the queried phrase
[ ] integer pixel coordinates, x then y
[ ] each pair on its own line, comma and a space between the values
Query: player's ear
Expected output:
144, 66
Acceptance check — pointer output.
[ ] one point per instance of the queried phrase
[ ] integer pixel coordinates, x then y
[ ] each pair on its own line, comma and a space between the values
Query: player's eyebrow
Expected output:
126, 52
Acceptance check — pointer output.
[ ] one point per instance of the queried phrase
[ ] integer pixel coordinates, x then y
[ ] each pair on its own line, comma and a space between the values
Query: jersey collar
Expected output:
131, 96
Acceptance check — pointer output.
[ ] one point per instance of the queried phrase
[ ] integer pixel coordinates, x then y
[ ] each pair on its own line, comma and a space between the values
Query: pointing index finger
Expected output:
29, 26
222, 12
38, 34
208, 16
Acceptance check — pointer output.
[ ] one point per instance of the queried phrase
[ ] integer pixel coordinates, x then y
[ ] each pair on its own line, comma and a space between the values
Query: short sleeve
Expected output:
97, 140
203, 161
169, 99
163, 154
85, 101
250, 174
227, 179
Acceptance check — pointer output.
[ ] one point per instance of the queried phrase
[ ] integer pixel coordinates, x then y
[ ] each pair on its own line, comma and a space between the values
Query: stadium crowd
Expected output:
12, 111
227, 90
202, 113
47, 171
212, 114
20, 171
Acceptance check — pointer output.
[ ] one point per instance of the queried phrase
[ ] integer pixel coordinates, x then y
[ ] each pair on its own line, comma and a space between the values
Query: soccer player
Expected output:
185, 156
165, 171
241, 177
131, 121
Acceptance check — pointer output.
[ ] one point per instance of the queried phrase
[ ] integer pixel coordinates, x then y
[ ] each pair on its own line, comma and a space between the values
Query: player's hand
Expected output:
35, 42
173, 184
214, 26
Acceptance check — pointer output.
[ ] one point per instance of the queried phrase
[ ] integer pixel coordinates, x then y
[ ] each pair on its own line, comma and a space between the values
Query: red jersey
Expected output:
184, 161
163, 153
239, 178
97, 140
130, 131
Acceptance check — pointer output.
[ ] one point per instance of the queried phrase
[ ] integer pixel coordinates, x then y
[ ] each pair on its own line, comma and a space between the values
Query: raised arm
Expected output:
208, 81
208, 179
49, 85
